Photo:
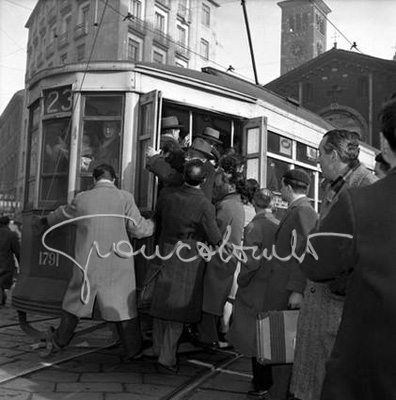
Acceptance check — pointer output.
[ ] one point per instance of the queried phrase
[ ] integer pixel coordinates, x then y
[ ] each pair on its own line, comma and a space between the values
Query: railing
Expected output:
183, 50
184, 12
137, 25
161, 38
80, 30
63, 40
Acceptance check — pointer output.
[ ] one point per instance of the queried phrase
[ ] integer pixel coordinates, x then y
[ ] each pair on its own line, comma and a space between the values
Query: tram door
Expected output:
254, 147
150, 109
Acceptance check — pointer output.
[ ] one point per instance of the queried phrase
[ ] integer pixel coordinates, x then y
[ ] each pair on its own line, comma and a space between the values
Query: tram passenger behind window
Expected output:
109, 145
56, 156
86, 153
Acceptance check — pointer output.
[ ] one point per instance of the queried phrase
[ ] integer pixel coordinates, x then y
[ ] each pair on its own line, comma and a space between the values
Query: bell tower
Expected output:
304, 29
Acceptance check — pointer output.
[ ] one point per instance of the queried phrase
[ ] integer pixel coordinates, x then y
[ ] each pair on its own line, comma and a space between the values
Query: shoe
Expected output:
149, 353
51, 347
173, 369
260, 394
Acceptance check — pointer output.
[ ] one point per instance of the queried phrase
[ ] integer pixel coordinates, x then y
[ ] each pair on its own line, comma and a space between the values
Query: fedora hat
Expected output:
210, 134
203, 147
170, 123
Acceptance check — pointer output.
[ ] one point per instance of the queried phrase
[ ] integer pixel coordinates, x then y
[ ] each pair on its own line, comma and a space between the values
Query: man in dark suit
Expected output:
9, 247
184, 214
362, 363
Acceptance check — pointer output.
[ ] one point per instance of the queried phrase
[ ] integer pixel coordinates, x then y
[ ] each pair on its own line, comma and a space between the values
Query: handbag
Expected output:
145, 293
276, 336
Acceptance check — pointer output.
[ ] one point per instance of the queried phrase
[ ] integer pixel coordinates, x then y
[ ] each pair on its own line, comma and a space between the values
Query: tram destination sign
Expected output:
58, 100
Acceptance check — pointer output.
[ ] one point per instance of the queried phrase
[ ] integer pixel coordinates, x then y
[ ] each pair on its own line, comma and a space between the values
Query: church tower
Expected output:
304, 29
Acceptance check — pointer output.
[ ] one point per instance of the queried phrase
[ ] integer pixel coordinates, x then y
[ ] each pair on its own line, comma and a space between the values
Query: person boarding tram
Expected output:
107, 282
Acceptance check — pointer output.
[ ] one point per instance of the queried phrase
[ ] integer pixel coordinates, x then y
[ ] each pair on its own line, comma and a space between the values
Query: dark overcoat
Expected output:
252, 284
219, 275
285, 276
362, 363
9, 246
320, 316
111, 274
184, 214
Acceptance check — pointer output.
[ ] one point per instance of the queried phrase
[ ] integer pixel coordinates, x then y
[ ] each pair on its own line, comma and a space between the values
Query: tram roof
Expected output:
214, 76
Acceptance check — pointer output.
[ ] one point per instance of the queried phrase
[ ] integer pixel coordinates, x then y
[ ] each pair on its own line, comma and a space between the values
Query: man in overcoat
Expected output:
252, 285
322, 306
362, 363
9, 247
109, 217
184, 216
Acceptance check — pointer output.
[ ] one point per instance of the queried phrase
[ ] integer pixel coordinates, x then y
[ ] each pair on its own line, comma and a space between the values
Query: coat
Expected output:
111, 278
362, 363
219, 275
285, 276
9, 247
252, 284
319, 318
184, 214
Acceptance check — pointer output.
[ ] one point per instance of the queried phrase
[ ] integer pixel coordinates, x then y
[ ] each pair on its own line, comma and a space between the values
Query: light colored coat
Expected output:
319, 318
111, 278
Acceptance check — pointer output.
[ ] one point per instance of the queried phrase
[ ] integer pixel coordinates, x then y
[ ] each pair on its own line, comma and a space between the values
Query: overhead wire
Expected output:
353, 44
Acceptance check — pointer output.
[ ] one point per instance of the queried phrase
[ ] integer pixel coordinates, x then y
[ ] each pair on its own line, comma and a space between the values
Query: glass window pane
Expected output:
252, 169
103, 105
56, 145
100, 144
279, 145
306, 154
54, 188
311, 192
275, 170
253, 140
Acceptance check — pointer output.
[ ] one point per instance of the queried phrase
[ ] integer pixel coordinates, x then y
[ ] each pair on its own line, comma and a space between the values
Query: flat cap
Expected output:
298, 175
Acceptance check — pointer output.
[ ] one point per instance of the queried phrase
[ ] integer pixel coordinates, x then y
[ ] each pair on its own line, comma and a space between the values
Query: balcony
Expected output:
137, 25
50, 50
184, 13
63, 40
164, 3
80, 30
183, 50
161, 38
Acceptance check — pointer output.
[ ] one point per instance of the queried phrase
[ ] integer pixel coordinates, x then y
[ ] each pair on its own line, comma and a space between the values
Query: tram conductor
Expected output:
105, 277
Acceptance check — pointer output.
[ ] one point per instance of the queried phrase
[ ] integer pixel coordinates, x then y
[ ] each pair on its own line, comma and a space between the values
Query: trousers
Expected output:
128, 332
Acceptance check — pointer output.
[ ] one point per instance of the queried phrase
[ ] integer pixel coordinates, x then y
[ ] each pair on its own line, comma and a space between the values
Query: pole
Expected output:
250, 41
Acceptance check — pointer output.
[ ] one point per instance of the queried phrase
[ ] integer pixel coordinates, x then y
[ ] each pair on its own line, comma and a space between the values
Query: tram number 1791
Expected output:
48, 259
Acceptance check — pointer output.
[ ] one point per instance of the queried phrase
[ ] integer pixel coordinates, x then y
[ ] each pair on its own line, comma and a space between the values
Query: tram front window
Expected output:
55, 162
101, 139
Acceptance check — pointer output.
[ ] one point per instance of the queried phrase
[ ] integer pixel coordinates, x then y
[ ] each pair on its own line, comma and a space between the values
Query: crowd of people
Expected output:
343, 286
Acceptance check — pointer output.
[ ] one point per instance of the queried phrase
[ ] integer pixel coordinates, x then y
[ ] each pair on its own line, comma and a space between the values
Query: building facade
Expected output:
345, 87
11, 161
304, 30
175, 32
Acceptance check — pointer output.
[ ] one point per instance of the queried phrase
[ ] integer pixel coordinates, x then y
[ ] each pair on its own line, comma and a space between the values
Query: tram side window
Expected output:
34, 153
55, 160
101, 139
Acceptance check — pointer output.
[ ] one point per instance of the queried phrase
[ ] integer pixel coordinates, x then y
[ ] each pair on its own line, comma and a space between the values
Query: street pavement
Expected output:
91, 368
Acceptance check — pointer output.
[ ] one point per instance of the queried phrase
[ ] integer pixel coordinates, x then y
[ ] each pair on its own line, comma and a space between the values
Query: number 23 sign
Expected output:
58, 100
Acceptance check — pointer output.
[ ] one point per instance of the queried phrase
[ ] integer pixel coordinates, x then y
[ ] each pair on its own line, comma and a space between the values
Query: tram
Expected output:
72, 107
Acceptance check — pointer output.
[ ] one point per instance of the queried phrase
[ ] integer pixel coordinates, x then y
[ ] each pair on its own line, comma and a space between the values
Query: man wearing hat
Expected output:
168, 162
9, 246
204, 151
286, 282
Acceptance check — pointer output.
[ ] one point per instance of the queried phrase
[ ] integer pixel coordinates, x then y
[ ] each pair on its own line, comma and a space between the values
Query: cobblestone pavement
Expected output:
91, 368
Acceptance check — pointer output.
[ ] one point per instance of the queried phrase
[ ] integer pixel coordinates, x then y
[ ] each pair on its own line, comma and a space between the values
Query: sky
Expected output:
369, 23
